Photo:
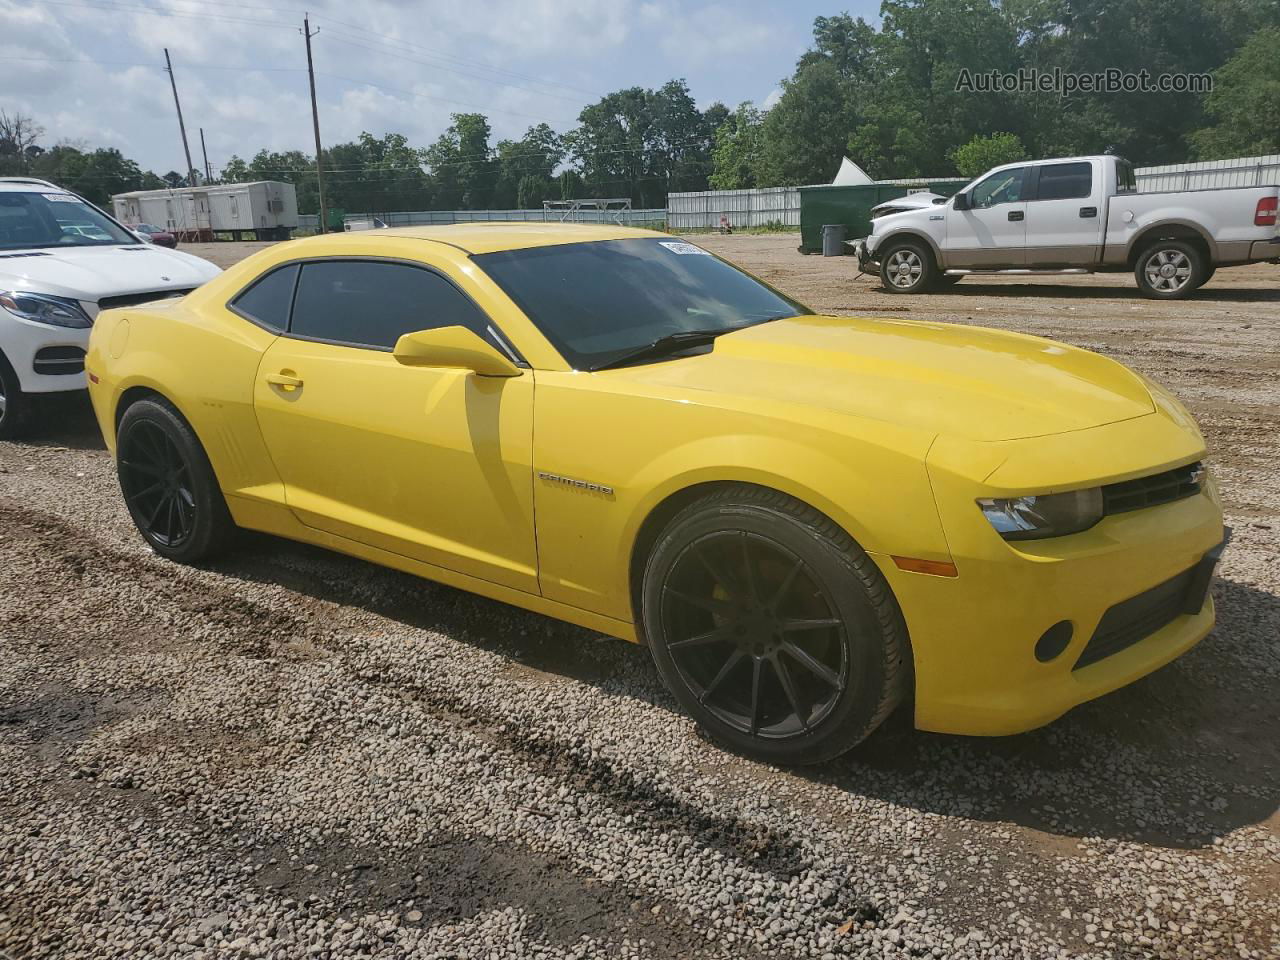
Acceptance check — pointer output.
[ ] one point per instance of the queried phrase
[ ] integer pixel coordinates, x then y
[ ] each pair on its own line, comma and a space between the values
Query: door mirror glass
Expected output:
453, 347
962, 201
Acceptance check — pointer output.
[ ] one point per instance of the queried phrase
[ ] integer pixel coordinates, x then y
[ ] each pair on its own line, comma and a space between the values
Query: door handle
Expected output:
284, 381
1016, 215
1087, 213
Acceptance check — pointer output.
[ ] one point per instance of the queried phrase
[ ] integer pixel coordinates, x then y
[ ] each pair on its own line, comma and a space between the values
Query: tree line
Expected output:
890, 97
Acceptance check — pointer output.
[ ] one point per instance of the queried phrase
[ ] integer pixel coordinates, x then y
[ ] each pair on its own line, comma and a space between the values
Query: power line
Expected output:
109, 6
246, 68
428, 96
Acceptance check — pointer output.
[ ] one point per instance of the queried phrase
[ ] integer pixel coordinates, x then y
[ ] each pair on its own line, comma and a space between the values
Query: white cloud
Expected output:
772, 99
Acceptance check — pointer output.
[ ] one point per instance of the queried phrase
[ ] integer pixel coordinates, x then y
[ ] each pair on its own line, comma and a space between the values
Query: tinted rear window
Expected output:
267, 301
1065, 181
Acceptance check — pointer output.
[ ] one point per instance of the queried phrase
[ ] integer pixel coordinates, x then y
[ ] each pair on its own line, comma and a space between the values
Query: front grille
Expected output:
59, 361
133, 299
29, 253
1137, 618
1166, 487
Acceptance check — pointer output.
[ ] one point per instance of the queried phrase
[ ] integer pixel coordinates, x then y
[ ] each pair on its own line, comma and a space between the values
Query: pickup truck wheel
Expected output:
1169, 270
908, 268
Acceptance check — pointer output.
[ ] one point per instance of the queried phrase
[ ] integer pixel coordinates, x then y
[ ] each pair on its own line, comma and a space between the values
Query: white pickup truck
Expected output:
1074, 215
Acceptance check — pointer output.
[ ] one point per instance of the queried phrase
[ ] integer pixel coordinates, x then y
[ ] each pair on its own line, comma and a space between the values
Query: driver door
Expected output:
992, 233
429, 463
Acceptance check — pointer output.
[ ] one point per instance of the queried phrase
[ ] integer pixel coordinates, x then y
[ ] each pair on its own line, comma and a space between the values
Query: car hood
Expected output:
90, 273
963, 381
912, 201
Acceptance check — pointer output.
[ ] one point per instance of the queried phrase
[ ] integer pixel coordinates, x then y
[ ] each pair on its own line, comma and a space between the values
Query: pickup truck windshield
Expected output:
602, 301
54, 219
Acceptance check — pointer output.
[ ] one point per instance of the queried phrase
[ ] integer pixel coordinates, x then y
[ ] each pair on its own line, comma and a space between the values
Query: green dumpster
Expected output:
852, 205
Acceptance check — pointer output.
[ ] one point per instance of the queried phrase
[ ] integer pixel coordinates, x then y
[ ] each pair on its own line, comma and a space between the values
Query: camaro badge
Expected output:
579, 484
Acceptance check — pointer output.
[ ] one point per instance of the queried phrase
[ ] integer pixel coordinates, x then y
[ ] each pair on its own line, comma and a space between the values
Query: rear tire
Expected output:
1169, 270
169, 485
16, 408
908, 268
772, 627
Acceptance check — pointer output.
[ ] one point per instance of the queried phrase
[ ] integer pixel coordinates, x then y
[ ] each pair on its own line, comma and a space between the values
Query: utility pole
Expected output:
191, 171
208, 171
315, 117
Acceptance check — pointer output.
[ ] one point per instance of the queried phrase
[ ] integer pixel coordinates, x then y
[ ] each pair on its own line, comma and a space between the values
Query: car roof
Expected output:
495, 236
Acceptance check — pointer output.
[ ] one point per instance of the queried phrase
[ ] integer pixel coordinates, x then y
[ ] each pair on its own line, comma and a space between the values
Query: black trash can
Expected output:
833, 237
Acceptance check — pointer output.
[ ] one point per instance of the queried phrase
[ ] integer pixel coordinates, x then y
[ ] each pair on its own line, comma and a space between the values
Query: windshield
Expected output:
598, 301
54, 219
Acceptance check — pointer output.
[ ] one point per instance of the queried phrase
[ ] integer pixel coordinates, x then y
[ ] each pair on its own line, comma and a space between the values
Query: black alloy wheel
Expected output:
168, 483
772, 627
156, 480
754, 634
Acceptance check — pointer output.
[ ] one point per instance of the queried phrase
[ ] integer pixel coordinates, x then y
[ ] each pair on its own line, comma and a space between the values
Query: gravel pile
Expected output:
292, 754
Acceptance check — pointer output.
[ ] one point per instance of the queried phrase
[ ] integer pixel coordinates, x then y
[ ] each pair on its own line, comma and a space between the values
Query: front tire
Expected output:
16, 410
772, 627
169, 485
1169, 270
908, 268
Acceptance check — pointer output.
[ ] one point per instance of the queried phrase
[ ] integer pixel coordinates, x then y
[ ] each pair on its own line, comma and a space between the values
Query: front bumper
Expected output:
974, 637
865, 258
21, 340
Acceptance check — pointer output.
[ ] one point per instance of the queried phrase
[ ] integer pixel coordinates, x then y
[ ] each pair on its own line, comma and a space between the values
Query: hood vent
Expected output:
135, 248
133, 299
29, 253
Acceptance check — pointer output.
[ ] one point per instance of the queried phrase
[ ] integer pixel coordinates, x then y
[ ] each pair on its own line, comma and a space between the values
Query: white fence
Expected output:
1240, 172
411, 218
744, 208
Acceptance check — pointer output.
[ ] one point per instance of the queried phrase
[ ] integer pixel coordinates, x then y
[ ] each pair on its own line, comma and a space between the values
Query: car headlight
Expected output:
1053, 515
43, 308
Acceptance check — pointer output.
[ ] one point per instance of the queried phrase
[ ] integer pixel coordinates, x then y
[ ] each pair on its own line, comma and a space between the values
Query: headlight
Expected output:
42, 308
1054, 515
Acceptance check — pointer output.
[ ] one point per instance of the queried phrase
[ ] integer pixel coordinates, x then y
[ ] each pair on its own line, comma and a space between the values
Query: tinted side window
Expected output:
267, 301
373, 304
1002, 187
1065, 181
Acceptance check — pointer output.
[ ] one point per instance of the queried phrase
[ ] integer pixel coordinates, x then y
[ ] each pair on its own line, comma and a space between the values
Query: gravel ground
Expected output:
294, 754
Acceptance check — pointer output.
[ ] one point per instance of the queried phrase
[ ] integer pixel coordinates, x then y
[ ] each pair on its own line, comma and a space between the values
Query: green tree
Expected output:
525, 168
982, 153
736, 155
1244, 101
462, 169
803, 138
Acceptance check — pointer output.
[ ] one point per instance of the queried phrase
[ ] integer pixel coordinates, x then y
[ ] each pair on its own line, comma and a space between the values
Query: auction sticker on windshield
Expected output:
684, 249
61, 198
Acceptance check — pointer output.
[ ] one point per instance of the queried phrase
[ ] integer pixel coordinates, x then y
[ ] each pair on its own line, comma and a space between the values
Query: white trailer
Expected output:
264, 209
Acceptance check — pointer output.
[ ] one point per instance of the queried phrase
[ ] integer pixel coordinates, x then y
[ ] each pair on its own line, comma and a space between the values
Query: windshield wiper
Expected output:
664, 346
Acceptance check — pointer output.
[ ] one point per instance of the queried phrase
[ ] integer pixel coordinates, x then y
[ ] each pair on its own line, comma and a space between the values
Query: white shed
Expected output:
264, 209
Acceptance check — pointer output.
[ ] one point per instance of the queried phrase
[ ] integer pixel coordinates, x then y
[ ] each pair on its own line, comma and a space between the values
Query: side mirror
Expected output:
453, 347
962, 201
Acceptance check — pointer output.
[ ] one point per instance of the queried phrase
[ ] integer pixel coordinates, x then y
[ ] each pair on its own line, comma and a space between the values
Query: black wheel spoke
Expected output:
155, 513
142, 467
789, 688
734, 659
748, 566
713, 604
756, 666
829, 676
787, 583
718, 635
793, 624
145, 491
727, 582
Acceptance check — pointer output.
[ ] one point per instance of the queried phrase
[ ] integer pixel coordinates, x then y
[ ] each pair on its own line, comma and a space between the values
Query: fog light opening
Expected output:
1053, 641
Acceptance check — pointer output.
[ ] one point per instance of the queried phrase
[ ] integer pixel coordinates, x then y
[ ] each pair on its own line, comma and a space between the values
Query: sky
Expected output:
91, 72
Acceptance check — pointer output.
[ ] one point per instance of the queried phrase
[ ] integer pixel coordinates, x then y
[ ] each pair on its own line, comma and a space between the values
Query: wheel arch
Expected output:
1182, 230
910, 234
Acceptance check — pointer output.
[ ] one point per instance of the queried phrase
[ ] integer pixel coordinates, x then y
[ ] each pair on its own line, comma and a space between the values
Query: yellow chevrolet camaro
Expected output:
808, 519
